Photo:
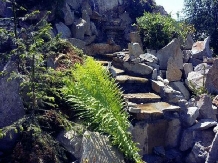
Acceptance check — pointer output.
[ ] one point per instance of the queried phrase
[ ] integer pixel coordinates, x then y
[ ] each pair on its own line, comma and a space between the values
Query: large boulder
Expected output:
75, 4
68, 15
79, 29
171, 50
205, 108
11, 104
201, 49
72, 142
147, 135
173, 133
211, 83
86, 17
97, 148
189, 115
179, 86
173, 72
63, 30
134, 50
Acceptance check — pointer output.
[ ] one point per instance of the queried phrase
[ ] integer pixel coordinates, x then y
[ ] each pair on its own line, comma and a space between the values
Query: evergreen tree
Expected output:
203, 14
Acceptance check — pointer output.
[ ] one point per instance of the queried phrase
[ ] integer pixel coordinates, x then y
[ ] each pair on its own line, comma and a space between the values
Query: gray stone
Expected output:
97, 148
205, 108
173, 133
79, 28
135, 37
187, 140
190, 137
147, 135
154, 74
195, 80
157, 85
201, 49
138, 68
72, 142
171, 50
11, 104
186, 55
63, 30
203, 124
195, 61
86, 6
93, 28
77, 43
188, 67
86, 17
68, 15
212, 156
173, 72
147, 57
134, 50
211, 83
198, 154
75, 4
188, 43
89, 39
169, 94
179, 86
189, 115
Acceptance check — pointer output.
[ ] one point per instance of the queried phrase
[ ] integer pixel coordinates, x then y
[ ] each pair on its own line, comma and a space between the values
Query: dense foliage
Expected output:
157, 30
99, 101
203, 14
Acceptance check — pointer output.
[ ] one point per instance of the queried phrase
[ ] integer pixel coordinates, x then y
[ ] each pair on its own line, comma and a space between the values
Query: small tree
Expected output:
157, 30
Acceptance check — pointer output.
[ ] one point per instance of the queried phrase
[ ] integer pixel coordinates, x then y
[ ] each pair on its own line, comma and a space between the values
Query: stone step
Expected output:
130, 79
142, 98
153, 111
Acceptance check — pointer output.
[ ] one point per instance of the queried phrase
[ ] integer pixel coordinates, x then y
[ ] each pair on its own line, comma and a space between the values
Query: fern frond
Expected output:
99, 101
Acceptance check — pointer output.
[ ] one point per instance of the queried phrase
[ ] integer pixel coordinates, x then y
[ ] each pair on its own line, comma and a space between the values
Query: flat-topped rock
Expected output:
151, 111
141, 98
130, 79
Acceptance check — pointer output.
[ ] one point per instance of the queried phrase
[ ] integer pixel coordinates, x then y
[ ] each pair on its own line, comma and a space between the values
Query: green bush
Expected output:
158, 30
98, 100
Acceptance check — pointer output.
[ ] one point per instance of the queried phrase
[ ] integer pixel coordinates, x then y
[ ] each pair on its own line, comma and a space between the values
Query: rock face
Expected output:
97, 148
171, 50
104, 5
11, 105
211, 81
201, 49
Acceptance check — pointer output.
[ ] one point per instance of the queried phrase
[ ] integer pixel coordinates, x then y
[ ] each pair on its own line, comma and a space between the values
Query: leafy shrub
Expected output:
157, 30
99, 101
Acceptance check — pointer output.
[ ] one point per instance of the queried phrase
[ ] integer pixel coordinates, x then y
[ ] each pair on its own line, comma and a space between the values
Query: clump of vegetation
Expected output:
91, 91
158, 30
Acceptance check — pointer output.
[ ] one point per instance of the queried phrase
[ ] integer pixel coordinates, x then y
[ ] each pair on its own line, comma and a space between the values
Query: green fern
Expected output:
99, 101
